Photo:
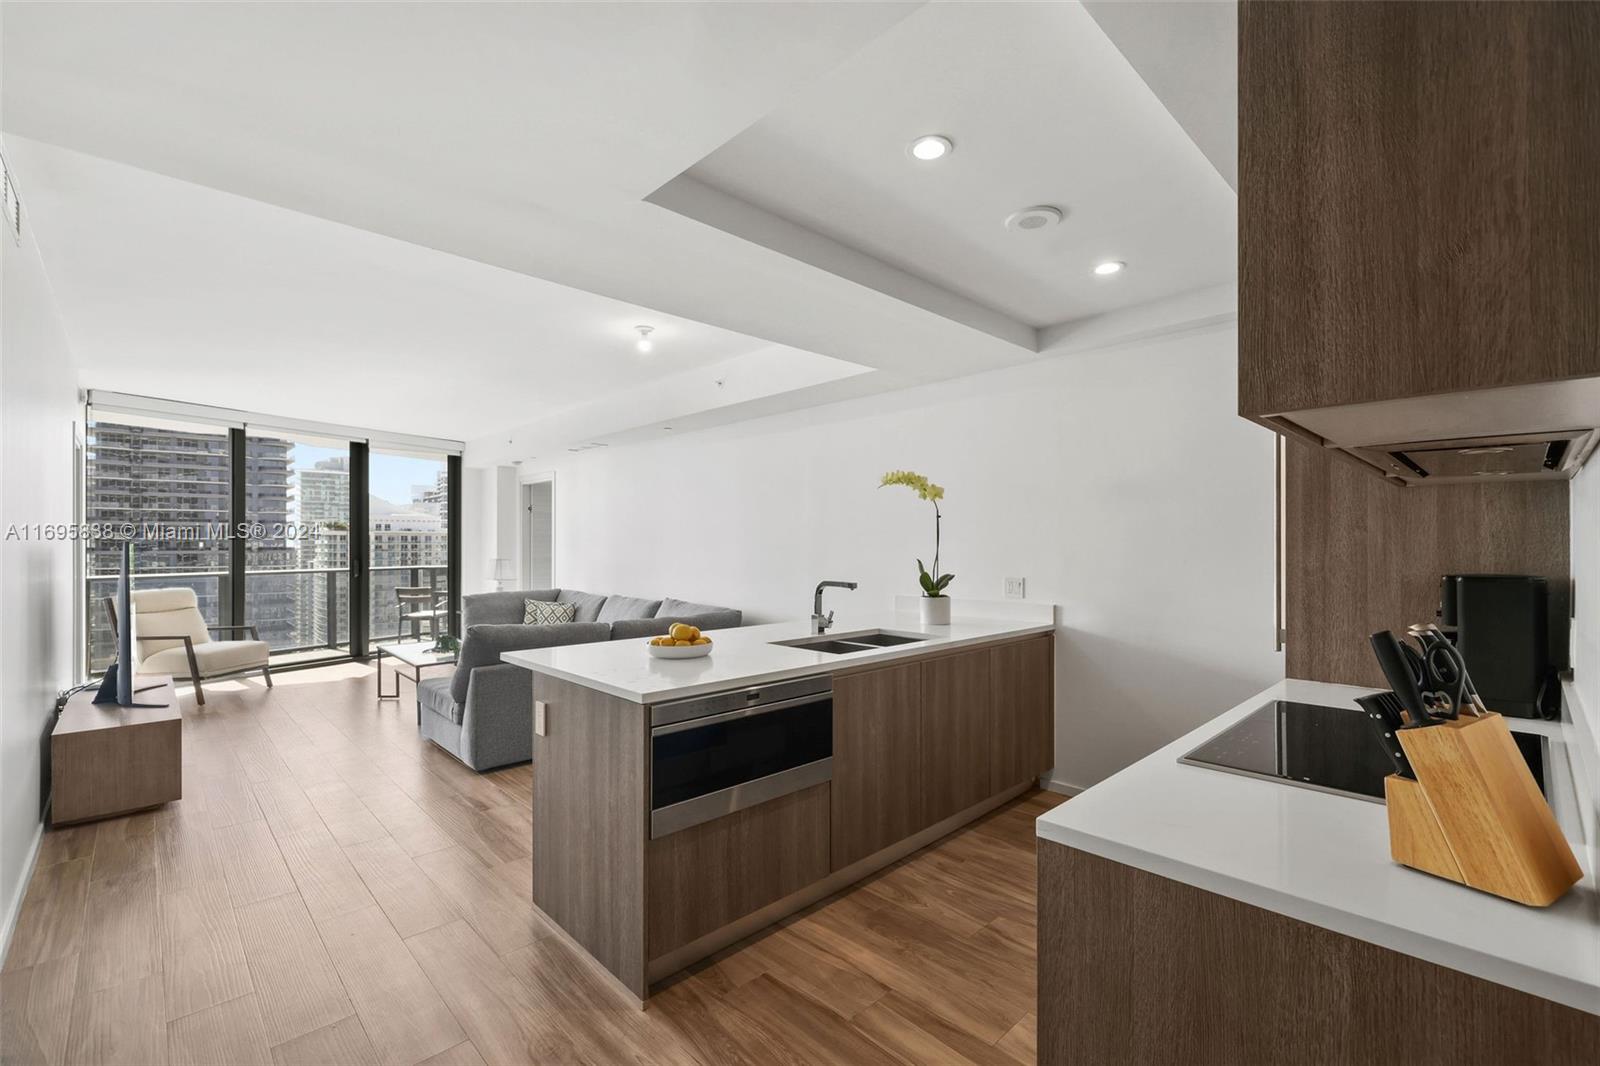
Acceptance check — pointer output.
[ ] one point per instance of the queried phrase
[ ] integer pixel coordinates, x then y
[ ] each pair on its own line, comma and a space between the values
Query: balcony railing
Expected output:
307, 610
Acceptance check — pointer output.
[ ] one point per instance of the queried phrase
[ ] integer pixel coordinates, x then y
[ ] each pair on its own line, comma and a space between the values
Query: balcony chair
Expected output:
171, 637
419, 605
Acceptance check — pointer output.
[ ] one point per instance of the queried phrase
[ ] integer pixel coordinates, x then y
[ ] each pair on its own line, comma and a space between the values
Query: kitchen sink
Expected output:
847, 643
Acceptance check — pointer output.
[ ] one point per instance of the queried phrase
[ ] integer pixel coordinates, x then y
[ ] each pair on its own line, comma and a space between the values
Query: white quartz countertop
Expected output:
1324, 859
747, 656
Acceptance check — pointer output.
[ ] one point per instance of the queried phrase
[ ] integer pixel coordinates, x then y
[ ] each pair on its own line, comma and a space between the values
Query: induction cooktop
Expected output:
1330, 749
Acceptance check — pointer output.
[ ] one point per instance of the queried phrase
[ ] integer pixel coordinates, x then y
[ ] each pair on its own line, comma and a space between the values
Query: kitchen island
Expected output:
1187, 914
680, 805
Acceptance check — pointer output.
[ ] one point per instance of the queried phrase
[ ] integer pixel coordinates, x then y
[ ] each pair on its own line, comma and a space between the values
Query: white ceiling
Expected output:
1043, 109
487, 150
181, 292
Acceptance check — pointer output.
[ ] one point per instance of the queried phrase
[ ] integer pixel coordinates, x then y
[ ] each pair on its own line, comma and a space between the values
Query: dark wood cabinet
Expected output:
1419, 200
706, 876
1023, 677
957, 733
877, 790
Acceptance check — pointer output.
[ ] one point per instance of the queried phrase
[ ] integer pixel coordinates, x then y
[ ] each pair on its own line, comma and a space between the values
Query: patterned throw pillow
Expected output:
546, 613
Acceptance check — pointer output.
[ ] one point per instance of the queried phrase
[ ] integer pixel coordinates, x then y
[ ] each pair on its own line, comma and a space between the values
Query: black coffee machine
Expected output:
1501, 626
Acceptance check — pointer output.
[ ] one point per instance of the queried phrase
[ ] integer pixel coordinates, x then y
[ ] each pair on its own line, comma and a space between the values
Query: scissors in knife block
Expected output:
1446, 684
1429, 635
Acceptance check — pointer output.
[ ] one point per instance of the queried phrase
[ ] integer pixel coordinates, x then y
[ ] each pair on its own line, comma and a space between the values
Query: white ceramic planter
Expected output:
936, 610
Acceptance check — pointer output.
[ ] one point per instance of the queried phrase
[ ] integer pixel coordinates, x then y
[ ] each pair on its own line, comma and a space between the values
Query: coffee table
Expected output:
417, 654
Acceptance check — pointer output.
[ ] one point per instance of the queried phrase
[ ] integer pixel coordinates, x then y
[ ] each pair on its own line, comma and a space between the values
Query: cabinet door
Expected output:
957, 733
708, 875
1023, 676
1419, 198
877, 798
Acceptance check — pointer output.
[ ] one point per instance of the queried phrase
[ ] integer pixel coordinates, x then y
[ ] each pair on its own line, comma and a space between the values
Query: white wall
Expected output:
38, 409
1585, 686
1120, 483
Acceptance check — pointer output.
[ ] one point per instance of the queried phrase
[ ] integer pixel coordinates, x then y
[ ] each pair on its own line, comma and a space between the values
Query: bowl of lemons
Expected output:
682, 641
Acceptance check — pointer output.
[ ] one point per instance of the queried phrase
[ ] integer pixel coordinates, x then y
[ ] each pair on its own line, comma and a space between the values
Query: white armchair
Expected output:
170, 636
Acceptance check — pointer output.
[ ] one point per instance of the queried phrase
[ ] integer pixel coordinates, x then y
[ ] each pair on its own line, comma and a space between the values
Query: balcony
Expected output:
303, 613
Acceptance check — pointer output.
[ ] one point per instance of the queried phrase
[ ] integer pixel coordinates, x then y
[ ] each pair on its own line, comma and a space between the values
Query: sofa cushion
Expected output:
620, 607
699, 614
483, 645
545, 613
434, 695
492, 607
587, 604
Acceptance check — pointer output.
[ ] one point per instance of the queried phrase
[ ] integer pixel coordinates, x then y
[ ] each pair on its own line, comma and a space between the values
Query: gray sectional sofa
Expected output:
483, 713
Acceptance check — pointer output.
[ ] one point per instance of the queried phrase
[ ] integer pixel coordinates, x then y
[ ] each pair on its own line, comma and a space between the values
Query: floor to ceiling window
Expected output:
168, 485
297, 560
408, 523
327, 542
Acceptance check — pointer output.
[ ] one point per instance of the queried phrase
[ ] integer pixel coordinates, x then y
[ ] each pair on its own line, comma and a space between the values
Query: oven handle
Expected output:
742, 712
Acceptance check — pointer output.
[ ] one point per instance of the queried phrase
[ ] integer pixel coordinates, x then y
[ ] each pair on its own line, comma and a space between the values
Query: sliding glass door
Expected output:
408, 525
297, 556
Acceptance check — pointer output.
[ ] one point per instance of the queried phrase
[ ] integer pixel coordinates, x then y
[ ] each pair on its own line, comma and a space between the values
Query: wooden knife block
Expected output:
1475, 815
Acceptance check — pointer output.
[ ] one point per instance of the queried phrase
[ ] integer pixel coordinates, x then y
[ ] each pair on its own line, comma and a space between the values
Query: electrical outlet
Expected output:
1016, 588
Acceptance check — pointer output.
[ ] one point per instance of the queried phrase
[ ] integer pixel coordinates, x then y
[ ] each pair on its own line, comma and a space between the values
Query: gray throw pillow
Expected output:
544, 613
620, 607
587, 603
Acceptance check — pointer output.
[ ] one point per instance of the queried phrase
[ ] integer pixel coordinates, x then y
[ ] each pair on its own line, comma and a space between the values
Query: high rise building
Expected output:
173, 487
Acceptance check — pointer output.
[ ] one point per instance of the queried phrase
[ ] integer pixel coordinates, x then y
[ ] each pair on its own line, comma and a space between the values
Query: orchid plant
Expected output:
933, 583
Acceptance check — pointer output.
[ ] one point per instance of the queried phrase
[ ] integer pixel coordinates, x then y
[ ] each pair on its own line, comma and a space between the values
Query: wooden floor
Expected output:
334, 890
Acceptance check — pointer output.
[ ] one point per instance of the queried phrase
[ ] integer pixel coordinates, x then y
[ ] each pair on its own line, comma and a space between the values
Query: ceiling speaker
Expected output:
1032, 218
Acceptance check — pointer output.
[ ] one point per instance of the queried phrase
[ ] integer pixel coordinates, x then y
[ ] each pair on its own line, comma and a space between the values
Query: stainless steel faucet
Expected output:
819, 621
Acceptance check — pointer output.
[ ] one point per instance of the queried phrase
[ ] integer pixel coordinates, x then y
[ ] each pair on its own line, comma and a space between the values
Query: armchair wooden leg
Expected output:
266, 672
194, 671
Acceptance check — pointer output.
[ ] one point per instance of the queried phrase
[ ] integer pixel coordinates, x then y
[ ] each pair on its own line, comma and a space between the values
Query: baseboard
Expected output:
1060, 787
14, 910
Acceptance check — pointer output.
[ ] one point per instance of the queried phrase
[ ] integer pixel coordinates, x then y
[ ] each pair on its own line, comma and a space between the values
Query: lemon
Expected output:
680, 631
702, 640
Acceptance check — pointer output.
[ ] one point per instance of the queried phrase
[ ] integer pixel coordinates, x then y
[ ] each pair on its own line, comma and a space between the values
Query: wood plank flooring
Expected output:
333, 889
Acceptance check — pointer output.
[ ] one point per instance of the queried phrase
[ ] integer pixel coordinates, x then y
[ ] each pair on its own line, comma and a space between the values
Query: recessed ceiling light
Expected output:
1109, 267
1042, 216
930, 147
645, 343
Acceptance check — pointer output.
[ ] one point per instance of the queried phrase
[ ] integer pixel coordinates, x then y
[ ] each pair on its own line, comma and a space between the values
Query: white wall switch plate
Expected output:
538, 717
1016, 588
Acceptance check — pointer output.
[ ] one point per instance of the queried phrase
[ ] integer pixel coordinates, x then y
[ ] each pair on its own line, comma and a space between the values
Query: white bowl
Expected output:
673, 651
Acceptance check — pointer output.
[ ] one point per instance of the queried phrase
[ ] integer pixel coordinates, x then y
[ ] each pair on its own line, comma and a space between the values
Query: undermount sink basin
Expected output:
846, 643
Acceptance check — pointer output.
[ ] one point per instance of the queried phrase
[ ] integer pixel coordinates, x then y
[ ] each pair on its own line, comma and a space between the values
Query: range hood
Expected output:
1544, 431
1522, 456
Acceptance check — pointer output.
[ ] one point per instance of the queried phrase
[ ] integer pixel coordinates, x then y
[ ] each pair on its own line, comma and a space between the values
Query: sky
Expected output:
389, 477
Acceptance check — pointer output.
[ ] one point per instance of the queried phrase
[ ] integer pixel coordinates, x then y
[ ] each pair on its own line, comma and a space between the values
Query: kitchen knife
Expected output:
1383, 709
1393, 662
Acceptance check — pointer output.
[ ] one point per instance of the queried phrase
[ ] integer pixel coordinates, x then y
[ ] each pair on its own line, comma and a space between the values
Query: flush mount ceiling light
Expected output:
931, 146
644, 344
1032, 218
1111, 266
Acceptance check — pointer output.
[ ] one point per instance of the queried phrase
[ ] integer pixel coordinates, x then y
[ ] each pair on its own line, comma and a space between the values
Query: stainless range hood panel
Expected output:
1439, 439
1549, 456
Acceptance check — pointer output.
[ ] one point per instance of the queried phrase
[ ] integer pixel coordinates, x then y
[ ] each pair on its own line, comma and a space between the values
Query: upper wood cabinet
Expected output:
1419, 201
